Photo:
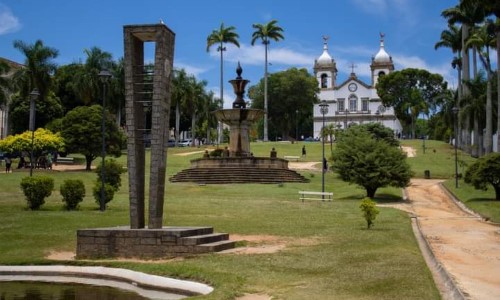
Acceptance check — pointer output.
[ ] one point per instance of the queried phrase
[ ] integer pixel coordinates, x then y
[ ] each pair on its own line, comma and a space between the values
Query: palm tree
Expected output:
38, 68
452, 38
491, 7
194, 102
468, 17
220, 37
266, 33
482, 39
473, 107
179, 94
87, 84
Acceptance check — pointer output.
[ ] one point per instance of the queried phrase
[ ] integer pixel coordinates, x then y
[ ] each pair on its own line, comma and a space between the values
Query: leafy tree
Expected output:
4, 82
65, 86
484, 171
290, 90
45, 110
220, 37
411, 92
371, 163
44, 140
266, 33
82, 133
113, 173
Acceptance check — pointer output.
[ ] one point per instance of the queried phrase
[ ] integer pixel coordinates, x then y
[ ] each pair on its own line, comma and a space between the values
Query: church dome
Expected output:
325, 59
382, 56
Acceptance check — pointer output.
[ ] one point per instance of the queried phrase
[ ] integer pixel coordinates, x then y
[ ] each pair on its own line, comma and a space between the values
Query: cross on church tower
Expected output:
326, 38
352, 69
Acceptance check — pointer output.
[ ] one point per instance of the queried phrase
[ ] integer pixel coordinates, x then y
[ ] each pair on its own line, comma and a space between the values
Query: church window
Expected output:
381, 73
353, 103
364, 104
324, 81
341, 105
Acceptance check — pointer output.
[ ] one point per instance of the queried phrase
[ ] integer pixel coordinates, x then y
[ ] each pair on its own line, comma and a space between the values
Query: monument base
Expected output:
167, 242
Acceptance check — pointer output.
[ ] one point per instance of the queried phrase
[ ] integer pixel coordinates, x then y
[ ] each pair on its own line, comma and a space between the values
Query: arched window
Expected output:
381, 73
324, 81
353, 102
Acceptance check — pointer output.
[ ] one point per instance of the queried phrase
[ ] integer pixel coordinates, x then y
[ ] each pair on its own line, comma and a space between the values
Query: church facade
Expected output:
352, 101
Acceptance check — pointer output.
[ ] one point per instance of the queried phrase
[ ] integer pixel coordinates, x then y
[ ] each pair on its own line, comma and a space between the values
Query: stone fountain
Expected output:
238, 164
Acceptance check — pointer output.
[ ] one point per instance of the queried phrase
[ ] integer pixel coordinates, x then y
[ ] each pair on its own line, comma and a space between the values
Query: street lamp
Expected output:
345, 122
323, 107
297, 125
455, 113
104, 75
33, 96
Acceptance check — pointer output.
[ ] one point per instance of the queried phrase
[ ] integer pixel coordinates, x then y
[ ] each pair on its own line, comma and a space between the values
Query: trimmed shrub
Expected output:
72, 191
113, 170
36, 189
216, 152
109, 193
370, 211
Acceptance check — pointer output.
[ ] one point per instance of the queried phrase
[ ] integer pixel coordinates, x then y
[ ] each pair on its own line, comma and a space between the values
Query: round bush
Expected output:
113, 171
109, 192
36, 189
72, 191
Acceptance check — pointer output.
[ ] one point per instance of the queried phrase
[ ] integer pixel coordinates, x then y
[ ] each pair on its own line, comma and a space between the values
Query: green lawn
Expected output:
330, 256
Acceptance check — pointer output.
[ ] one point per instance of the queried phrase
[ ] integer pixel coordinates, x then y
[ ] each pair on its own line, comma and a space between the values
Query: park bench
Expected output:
65, 160
289, 157
305, 195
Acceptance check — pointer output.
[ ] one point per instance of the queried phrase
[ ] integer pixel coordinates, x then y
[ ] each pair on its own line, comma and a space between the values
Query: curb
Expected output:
131, 278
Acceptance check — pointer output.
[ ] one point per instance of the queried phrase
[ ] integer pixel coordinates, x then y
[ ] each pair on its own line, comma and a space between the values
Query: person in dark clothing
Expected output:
304, 151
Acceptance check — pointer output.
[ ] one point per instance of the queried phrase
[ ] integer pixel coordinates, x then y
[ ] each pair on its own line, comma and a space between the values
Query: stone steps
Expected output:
237, 175
150, 243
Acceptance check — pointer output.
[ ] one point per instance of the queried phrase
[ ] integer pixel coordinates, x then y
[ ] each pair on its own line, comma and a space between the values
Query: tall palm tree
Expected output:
473, 107
491, 7
266, 33
220, 37
452, 38
38, 68
88, 86
468, 17
481, 39
179, 94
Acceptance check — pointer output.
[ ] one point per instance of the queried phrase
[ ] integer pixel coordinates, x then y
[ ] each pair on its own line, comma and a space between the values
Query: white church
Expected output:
352, 101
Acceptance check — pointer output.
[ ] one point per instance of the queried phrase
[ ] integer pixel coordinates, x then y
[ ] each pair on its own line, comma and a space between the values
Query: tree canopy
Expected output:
369, 161
288, 91
486, 170
44, 140
82, 133
411, 92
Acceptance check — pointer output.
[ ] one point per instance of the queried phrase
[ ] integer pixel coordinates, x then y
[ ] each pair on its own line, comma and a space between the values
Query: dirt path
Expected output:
467, 247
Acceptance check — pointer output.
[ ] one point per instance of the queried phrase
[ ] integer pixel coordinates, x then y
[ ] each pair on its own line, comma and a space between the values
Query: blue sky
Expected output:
412, 27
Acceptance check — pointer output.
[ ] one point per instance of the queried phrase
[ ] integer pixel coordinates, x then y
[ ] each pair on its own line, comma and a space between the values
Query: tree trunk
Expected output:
266, 110
370, 192
497, 192
193, 129
498, 87
488, 138
474, 61
88, 162
476, 146
177, 122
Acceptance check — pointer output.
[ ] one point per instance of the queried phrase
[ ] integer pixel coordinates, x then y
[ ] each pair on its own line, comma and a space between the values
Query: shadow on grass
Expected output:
387, 198
485, 200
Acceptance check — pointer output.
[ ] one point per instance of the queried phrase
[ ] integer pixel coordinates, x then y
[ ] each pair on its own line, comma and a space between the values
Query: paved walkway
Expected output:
467, 247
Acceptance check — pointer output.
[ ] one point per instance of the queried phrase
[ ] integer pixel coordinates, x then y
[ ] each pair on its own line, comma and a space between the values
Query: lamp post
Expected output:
323, 107
33, 96
346, 111
104, 75
297, 125
455, 113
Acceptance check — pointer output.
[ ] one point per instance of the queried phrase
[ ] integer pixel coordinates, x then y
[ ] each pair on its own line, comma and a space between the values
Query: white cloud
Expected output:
254, 55
444, 69
192, 70
8, 22
403, 9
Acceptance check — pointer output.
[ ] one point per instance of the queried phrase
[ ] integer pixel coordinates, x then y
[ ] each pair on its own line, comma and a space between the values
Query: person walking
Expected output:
8, 163
304, 151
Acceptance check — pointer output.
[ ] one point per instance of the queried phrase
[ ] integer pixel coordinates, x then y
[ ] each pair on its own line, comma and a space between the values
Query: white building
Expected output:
352, 101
